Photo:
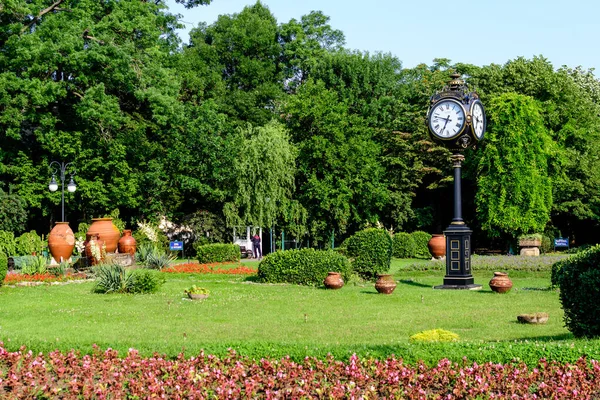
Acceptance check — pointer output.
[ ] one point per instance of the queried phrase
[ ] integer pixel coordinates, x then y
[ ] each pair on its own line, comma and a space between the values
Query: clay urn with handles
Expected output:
127, 243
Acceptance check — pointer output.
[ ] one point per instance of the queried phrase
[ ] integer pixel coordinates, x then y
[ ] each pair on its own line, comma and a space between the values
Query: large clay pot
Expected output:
437, 246
385, 284
127, 243
501, 283
93, 239
333, 280
61, 242
107, 231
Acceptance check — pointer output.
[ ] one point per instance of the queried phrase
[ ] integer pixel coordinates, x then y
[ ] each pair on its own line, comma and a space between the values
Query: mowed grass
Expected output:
243, 314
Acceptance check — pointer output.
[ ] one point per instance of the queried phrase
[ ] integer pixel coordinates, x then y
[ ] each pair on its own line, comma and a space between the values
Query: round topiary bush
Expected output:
302, 267
578, 278
404, 245
370, 251
421, 239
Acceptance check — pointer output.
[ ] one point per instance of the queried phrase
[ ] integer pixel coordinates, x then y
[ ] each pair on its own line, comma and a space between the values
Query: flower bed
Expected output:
105, 375
15, 278
212, 268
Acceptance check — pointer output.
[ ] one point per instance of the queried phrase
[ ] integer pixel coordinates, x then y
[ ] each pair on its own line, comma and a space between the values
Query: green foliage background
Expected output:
274, 123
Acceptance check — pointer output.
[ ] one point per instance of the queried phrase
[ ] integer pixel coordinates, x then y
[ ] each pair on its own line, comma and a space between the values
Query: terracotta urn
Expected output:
93, 240
501, 283
333, 280
437, 246
107, 232
385, 283
61, 242
127, 243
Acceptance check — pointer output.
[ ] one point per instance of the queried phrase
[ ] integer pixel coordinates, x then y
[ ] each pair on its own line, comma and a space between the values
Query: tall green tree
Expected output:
264, 170
245, 49
89, 82
340, 181
514, 194
572, 117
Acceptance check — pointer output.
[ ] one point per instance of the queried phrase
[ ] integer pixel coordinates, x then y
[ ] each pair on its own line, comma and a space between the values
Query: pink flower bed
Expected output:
104, 375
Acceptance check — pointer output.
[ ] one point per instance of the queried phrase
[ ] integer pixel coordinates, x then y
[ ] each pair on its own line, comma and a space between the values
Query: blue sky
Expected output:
417, 31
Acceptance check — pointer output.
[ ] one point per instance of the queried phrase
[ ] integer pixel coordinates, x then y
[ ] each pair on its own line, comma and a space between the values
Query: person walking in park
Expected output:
256, 246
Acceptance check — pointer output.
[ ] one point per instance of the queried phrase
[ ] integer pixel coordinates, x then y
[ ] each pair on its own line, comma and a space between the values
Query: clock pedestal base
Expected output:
458, 259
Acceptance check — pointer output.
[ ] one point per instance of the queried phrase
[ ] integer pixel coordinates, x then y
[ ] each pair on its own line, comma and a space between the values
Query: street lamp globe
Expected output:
71, 187
53, 186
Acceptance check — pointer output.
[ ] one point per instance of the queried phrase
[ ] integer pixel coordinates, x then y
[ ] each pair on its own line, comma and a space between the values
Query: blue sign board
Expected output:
175, 245
561, 242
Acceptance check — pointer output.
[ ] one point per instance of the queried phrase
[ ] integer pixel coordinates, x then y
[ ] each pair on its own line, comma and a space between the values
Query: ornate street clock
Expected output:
456, 120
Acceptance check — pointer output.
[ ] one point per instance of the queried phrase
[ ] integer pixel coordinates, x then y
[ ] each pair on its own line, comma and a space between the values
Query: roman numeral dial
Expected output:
447, 119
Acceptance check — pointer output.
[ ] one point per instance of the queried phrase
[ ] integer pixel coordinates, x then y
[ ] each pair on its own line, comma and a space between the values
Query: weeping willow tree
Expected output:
514, 194
263, 186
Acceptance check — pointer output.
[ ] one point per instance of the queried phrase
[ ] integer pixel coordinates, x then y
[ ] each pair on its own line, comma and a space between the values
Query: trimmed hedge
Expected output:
3, 267
370, 251
303, 266
421, 239
404, 245
578, 278
217, 252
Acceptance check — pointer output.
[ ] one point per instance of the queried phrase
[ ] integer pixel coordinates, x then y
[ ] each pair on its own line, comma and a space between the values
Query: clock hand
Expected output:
446, 123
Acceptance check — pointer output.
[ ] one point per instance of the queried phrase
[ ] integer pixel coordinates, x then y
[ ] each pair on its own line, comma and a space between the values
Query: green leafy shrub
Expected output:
29, 243
7, 243
3, 267
34, 265
147, 250
404, 245
145, 281
303, 266
547, 245
370, 252
114, 278
578, 278
434, 335
530, 236
421, 239
217, 252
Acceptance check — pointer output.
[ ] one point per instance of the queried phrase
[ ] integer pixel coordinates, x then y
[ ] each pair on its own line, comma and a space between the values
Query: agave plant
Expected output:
146, 250
159, 261
112, 278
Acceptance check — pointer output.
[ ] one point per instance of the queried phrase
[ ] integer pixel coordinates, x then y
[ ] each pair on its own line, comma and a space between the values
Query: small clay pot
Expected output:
437, 246
127, 243
333, 280
385, 284
501, 283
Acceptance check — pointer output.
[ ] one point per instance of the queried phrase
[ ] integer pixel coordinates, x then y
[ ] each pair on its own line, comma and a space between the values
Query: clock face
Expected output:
478, 119
447, 119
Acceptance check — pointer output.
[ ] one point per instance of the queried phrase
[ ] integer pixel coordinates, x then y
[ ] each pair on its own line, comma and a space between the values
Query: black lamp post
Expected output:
62, 168
456, 120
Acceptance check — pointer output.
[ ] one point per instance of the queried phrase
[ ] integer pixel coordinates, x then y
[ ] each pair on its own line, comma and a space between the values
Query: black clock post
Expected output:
456, 120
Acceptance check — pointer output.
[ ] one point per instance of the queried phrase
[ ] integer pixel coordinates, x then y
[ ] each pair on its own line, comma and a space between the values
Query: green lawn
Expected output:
276, 319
